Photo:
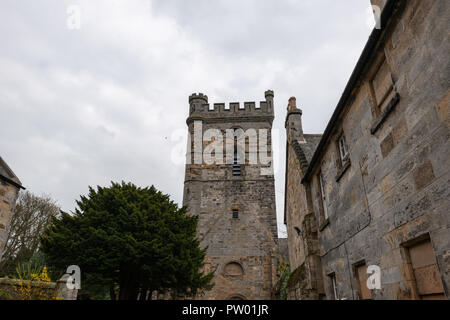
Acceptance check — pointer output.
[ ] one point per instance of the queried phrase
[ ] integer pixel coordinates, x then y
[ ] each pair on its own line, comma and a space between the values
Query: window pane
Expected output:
334, 287
342, 147
322, 191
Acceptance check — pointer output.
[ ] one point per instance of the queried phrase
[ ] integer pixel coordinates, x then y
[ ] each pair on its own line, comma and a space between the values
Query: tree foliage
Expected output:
32, 216
130, 238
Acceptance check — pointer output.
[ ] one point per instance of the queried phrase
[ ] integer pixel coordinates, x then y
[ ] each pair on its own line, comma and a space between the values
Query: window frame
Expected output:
236, 168
379, 102
226, 272
334, 289
343, 148
343, 154
381, 106
323, 199
362, 282
406, 248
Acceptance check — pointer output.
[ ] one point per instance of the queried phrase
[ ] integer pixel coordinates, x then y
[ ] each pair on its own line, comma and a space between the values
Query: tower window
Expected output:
235, 214
236, 166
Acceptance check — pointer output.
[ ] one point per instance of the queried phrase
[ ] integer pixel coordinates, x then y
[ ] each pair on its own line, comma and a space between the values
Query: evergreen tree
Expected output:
130, 238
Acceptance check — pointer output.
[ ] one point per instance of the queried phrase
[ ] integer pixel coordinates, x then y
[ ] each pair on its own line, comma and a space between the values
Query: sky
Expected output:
97, 91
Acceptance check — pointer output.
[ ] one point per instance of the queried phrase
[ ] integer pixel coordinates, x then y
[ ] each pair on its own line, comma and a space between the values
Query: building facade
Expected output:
234, 195
305, 281
10, 186
371, 197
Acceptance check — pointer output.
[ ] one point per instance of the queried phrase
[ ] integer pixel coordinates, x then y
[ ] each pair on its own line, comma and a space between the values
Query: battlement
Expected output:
198, 98
200, 108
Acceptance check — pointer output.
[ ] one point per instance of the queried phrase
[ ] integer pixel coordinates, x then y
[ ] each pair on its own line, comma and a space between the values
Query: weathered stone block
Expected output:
423, 175
443, 108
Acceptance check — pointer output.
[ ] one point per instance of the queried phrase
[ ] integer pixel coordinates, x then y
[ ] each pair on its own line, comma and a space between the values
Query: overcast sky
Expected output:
108, 101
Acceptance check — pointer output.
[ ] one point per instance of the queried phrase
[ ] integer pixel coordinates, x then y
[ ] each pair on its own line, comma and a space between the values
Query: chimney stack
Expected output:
377, 8
293, 122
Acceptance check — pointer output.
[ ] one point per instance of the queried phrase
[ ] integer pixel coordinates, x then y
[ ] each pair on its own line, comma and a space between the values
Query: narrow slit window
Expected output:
236, 165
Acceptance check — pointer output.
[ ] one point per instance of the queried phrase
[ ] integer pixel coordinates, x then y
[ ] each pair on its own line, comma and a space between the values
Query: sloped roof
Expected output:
8, 175
305, 149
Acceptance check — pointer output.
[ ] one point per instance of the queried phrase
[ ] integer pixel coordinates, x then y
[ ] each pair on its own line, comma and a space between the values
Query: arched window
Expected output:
233, 269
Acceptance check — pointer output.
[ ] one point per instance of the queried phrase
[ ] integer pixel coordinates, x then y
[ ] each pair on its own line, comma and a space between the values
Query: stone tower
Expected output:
234, 195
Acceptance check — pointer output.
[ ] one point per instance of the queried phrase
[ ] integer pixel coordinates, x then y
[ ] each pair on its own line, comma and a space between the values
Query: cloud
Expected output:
84, 107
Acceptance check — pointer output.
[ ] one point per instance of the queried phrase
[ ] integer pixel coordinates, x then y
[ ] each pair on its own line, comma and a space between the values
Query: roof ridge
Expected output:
11, 174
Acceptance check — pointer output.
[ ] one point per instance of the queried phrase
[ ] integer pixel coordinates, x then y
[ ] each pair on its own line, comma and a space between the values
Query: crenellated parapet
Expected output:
200, 109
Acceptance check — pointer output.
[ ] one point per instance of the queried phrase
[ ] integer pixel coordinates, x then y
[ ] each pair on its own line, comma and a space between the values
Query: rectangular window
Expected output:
235, 214
343, 150
334, 290
323, 199
426, 272
382, 86
361, 274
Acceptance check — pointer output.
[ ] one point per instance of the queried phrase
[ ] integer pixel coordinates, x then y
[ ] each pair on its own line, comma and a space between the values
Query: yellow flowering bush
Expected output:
36, 287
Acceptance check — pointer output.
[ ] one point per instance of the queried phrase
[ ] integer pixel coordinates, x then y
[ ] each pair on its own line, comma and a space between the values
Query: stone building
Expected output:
10, 186
234, 196
374, 189
300, 220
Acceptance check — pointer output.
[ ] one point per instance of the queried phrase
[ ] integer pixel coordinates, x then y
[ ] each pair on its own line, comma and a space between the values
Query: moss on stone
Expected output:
298, 275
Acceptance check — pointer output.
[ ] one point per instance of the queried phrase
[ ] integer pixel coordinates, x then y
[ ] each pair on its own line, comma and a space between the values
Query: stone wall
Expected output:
10, 288
305, 282
8, 197
393, 191
295, 204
